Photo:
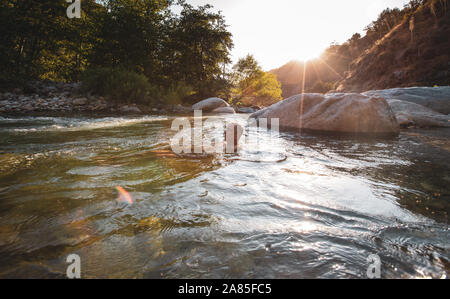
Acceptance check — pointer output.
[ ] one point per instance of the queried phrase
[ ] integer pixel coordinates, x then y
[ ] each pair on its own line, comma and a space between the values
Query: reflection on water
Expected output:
291, 207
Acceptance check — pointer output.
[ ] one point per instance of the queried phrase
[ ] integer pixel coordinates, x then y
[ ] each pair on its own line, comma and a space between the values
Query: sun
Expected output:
307, 54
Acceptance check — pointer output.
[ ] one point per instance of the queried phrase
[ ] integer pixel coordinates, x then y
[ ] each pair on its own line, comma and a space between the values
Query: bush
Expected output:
175, 94
117, 84
322, 87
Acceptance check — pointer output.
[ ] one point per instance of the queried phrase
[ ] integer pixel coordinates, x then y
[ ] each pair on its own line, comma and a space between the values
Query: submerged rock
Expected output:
411, 114
246, 110
224, 110
210, 104
344, 113
435, 98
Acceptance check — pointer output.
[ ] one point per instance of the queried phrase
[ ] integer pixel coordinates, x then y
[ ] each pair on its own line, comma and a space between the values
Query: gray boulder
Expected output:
28, 107
408, 114
344, 113
224, 110
210, 104
130, 109
435, 98
246, 110
80, 101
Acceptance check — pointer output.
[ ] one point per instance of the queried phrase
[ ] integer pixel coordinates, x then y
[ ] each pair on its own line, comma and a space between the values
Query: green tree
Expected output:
198, 50
40, 42
253, 86
28, 33
176, 53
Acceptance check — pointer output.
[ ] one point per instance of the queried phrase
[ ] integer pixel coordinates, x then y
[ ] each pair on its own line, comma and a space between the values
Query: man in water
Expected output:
232, 135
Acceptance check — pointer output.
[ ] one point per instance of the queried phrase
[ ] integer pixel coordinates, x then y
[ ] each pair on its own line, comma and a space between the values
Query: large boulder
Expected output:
344, 113
435, 98
210, 104
411, 114
224, 110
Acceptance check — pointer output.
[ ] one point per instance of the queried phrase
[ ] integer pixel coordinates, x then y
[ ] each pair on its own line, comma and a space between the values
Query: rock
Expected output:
210, 104
28, 107
80, 101
344, 113
182, 109
408, 114
246, 110
224, 110
130, 109
435, 98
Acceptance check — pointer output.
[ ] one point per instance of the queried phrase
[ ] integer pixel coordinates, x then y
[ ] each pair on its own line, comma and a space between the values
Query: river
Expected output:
290, 206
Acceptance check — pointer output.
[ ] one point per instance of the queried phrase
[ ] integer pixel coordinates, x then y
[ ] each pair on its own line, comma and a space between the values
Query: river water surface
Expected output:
290, 206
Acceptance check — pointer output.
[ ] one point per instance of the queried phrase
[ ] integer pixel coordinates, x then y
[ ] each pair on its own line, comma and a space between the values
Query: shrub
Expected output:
175, 94
117, 84
322, 87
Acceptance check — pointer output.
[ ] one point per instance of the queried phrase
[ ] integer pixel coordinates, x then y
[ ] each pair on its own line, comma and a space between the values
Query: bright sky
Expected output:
277, 31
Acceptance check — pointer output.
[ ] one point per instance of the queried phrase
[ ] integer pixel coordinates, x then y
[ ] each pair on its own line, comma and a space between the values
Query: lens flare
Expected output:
124, 196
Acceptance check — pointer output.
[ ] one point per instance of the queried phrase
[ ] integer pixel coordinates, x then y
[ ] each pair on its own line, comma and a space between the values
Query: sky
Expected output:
277, 31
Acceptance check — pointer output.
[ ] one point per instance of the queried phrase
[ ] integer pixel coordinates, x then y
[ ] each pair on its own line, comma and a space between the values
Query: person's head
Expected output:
233, 133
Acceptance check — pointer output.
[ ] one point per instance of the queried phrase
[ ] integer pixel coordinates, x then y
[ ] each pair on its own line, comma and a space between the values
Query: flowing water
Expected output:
285, 206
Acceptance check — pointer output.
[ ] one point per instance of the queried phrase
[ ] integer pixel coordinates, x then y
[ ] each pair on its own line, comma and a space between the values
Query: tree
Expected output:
40, 42
142, 36
131, 34
253, 86
198, 49
28, 33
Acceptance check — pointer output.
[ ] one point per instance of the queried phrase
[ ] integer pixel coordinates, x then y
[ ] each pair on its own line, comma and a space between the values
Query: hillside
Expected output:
402, 59
319, 76
387, 56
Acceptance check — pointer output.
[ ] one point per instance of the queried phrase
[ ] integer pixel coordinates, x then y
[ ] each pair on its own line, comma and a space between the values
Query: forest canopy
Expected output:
190, 49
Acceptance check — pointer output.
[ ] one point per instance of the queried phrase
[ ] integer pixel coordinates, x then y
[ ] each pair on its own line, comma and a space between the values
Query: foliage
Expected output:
253, 86
341, 58
143, 36
172, 95
322, 87
117, 84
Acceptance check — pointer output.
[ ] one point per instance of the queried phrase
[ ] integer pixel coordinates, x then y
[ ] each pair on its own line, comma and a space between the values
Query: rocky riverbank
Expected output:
39, 98
52, 98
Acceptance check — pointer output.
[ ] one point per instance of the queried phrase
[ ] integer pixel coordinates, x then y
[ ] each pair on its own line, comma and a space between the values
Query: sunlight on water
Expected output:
285, 206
